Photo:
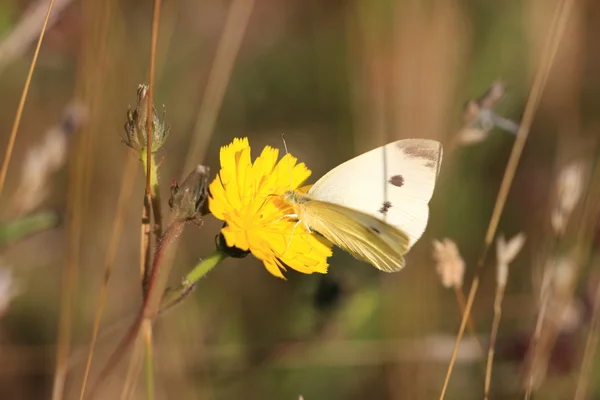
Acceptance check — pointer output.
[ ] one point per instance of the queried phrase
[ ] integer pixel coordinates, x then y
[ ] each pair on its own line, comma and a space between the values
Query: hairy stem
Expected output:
149, 303
189, 282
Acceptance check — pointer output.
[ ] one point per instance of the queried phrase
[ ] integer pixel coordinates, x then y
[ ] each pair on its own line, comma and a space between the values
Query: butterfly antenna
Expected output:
385, 177
289, 161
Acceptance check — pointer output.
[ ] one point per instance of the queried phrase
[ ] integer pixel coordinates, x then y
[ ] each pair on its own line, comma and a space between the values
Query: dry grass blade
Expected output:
17, 122
222, 67
450, 267
462, 304
229, 45
133, 371
124, 197
591, 209
233, 33
149, 307
151, 69
494, 332
591, 345
505, 254
27, 30
556, 31
150, 202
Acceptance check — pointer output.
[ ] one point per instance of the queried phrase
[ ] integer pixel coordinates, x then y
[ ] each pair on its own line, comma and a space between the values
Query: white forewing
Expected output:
393, 183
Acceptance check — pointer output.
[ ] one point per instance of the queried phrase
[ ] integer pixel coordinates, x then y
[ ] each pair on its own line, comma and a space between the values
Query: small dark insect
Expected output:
374, 229
396, 180
385, 207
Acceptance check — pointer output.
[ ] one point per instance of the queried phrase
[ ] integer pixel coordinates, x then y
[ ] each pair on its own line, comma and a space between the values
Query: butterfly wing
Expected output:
392, 183
365, 237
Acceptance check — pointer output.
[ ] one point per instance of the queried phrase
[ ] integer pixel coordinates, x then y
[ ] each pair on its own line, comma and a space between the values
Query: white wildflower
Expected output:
449, 263
505, 254
569, 187
556, 296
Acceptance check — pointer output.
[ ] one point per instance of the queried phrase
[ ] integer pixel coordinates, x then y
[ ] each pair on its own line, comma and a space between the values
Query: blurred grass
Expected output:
336, 78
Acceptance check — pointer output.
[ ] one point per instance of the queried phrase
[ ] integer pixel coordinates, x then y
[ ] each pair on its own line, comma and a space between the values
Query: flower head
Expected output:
449, 263
135, 127
247, 196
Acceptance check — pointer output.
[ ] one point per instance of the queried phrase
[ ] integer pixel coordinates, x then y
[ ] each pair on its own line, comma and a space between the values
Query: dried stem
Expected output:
146, 311
145, 241
27, 30
152, 198
146, 227
149, 358
124, 196
590, 213
493, 334
556, 31
17, 121
589, 353
132, 371
220, 73
152, 63
460, 299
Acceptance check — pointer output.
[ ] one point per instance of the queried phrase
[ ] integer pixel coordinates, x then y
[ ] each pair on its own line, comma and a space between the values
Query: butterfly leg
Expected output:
294, 216
291, 236
307, 227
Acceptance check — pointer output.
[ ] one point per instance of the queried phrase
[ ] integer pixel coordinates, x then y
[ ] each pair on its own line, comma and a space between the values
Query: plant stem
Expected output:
203, 267
190, 280
148, 309
157, 215
493, 334
154, 191
149, 359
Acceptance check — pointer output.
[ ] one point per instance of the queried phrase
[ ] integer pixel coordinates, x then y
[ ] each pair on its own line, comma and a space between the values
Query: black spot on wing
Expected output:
425, 153
396, 180
385, 207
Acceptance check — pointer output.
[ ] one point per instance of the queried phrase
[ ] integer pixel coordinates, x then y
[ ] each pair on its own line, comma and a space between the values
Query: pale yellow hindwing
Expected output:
365, 237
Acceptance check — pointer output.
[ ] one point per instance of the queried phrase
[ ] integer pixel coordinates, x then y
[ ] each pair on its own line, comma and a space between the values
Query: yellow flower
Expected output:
247, 196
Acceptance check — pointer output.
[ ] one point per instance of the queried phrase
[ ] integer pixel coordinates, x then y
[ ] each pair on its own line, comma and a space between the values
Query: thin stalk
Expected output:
558, 26
169, 236
191, 279
462, 304
133, 371
157, 214
151, 199
17, 121
591, 345
122, 202
148, 359
493, 334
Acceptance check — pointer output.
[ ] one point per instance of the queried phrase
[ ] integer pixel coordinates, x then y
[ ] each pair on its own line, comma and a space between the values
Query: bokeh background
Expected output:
338, 78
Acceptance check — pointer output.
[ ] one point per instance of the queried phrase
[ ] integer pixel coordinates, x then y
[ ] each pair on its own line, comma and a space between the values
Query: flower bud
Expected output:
188, 200
135, 127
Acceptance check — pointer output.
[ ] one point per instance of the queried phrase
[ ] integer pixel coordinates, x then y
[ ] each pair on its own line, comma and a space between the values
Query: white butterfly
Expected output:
374, 206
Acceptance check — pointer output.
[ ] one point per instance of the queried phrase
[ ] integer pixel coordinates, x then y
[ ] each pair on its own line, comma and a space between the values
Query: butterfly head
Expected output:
294, 197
